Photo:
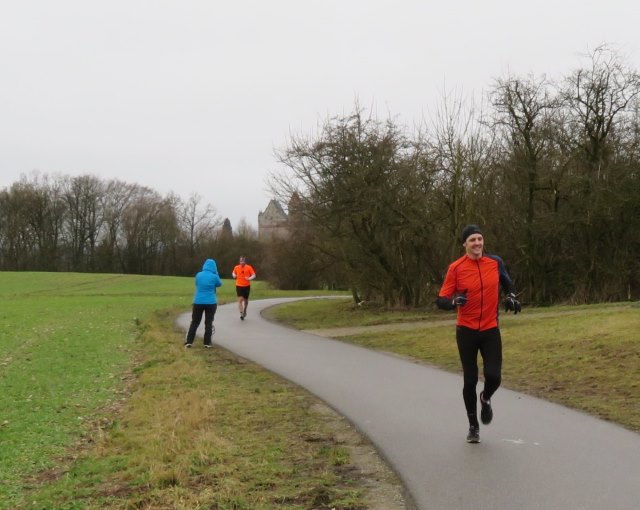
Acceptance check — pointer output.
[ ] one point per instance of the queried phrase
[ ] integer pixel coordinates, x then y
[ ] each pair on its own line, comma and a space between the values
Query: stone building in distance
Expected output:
273, 222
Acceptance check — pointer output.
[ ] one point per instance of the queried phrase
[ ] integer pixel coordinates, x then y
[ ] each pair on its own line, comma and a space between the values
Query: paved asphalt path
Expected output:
535, 455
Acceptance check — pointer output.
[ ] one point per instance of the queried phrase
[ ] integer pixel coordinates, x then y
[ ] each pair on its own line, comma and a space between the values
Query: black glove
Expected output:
511, 304
459, 299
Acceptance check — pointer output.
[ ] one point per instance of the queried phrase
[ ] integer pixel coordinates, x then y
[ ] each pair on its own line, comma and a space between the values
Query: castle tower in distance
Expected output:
273, 222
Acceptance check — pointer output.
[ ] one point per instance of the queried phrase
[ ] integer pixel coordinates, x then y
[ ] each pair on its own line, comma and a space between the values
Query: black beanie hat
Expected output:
468, 230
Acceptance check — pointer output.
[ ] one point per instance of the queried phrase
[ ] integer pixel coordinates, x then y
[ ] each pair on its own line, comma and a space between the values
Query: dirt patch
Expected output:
382, 488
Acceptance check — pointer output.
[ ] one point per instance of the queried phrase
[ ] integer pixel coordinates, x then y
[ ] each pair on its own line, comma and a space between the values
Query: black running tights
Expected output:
489, 343
196, 316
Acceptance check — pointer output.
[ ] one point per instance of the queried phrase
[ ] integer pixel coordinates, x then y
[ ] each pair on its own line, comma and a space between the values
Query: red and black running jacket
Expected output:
480, 280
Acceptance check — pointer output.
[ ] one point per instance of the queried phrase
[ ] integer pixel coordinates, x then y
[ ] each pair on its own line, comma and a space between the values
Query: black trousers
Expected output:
196, 317
489, 344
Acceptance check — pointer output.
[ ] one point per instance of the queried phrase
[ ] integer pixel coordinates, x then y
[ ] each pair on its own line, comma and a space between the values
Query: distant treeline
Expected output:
86, 224
550, 170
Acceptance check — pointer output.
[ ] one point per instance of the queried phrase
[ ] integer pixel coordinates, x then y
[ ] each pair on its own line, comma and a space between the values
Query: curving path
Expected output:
535, 455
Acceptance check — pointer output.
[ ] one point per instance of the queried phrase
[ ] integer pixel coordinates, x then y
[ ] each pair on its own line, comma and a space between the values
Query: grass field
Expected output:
585, 357
101, 407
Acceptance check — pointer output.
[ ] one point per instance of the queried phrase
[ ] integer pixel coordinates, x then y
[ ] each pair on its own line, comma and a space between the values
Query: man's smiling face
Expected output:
474, 245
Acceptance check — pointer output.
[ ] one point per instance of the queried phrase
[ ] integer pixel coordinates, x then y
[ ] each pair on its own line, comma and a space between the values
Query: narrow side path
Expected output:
536, 455
417, 324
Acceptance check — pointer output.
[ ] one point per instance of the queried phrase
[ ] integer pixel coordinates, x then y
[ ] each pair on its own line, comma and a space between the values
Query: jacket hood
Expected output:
210, 265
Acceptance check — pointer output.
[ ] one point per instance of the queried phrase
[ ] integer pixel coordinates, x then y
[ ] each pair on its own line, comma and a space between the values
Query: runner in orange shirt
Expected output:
472, 287
243, 273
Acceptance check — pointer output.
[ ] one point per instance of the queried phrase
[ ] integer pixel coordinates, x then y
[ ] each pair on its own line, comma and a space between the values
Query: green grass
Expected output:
203, 429
585, 357
337, 313
100, 407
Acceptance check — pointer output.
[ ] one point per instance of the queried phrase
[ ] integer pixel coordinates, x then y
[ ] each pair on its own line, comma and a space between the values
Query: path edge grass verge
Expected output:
250, 441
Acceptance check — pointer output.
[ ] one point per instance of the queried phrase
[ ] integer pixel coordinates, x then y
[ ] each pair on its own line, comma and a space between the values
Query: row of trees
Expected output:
551, 170
84, 223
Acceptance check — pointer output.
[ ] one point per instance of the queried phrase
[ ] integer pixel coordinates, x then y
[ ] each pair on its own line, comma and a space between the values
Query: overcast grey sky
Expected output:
192, 96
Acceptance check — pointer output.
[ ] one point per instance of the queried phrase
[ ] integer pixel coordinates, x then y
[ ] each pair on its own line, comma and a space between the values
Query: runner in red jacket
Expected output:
472, 286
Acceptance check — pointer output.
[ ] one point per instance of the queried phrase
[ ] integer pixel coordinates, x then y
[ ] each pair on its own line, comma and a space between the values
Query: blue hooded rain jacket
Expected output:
207, 281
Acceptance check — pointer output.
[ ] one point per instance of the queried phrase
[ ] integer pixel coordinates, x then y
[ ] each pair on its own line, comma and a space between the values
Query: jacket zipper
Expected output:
481, 294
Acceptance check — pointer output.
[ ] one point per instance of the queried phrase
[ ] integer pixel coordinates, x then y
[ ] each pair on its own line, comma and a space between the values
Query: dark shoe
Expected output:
474, 435
486, 413
241, 316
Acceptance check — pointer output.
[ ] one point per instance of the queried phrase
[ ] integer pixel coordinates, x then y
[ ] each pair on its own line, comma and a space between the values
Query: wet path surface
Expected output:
535, 455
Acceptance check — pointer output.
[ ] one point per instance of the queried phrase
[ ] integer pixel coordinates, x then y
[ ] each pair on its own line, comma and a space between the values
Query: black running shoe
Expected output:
486, 413
474, 435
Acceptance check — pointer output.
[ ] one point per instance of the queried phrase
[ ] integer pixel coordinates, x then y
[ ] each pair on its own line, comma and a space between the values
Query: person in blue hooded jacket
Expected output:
204, 301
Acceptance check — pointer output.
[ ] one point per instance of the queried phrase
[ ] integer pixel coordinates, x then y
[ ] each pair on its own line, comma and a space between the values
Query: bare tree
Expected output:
17, 240
198, 222
141, 240
524, 111
461, 152
600, 101
359, 188
84, 220
114, 202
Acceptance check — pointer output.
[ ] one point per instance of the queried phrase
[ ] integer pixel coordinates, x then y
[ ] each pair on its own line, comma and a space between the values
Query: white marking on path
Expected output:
520, 441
